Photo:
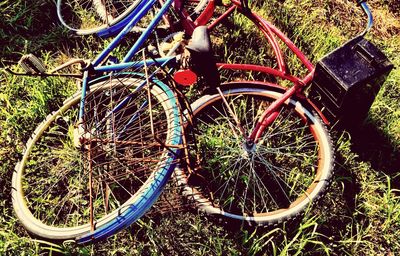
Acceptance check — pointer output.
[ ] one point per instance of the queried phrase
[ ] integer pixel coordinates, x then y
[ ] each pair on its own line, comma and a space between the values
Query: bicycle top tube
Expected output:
270, 32
134, 65
161, 62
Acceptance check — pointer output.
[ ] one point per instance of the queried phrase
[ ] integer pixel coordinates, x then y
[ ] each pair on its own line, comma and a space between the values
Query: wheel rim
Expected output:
22, 195
91, 16
235, 180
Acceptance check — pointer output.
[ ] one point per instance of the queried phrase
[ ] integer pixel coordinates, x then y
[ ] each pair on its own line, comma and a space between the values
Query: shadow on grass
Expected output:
374, 147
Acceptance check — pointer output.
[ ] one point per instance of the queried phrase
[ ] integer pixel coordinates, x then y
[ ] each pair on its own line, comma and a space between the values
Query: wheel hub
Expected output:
249, 148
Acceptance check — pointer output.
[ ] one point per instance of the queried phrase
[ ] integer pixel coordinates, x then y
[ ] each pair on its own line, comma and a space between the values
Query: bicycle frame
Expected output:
270, 33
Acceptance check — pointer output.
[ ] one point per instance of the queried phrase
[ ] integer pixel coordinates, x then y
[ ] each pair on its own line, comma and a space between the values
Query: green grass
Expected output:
360, 214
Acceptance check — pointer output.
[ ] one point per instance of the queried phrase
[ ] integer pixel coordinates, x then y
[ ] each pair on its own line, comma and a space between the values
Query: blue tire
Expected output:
116, 149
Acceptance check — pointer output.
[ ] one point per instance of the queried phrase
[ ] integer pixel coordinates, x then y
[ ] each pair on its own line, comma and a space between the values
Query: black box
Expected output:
347, 80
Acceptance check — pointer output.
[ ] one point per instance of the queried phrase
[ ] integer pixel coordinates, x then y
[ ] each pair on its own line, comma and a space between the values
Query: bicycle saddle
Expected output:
200, 42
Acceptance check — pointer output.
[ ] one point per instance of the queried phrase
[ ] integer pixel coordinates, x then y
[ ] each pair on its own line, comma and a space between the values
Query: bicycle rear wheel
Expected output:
85, 180
86, 17
267, 182
91, 16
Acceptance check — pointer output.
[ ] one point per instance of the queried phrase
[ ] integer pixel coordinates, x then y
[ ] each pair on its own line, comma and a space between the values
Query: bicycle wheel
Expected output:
268, 182
86, 17
91, 16
87, 179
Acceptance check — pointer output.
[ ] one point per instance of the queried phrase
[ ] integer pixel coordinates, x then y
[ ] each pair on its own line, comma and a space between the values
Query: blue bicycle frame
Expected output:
142, 10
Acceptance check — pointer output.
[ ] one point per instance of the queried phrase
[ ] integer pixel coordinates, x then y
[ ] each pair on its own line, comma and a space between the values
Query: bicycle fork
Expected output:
270, 115
264, 121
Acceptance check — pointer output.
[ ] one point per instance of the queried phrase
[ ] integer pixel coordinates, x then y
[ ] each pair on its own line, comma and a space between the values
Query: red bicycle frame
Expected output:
271, 34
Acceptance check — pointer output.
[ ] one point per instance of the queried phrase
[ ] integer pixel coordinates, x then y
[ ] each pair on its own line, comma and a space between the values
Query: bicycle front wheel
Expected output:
267, 182
87, 179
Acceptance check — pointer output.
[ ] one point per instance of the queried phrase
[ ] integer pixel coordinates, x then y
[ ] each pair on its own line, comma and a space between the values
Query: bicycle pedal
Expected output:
32, 64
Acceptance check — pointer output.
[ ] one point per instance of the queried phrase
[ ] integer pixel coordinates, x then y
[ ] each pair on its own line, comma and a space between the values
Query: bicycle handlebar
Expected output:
367, 11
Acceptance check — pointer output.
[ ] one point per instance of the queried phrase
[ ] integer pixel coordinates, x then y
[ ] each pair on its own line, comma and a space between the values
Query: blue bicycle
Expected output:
100, 161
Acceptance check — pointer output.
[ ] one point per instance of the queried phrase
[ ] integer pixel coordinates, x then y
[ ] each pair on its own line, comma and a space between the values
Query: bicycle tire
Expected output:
129, 167
86, 17
268, 183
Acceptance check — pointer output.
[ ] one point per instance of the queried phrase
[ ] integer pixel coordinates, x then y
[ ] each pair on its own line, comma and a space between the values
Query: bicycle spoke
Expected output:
77, 184
258, 179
